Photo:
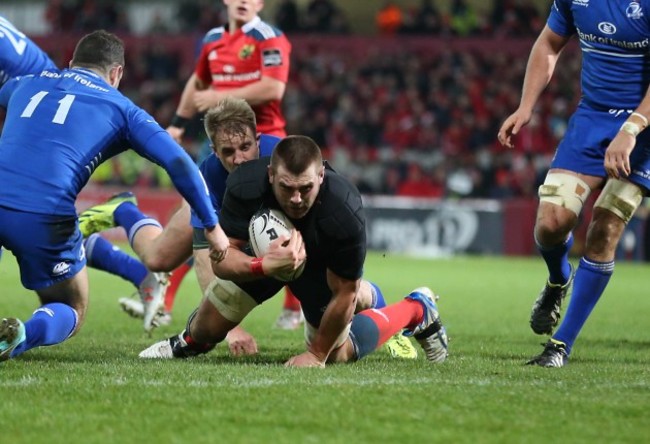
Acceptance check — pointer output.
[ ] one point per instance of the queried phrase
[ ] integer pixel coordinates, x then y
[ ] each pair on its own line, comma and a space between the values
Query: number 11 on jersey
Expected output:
61, 113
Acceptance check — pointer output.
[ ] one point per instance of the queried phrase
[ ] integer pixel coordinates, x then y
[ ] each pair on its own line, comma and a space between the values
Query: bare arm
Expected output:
265, 90
280, 259
337, 316
539, 70
540, 67
186, 108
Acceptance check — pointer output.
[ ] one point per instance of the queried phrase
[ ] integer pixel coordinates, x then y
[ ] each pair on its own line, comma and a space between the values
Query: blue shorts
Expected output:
49, 249
582, 150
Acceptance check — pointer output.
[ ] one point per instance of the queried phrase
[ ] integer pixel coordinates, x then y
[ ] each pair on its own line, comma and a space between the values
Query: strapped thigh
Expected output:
232, 302
565, 190
621, 198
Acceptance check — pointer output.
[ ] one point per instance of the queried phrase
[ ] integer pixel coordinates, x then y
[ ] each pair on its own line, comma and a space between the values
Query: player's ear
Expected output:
321, 174
270, 171
115, 75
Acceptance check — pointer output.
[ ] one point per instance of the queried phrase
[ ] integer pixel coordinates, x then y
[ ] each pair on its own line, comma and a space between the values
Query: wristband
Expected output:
643, 118
179, 122
256, 266
631, 128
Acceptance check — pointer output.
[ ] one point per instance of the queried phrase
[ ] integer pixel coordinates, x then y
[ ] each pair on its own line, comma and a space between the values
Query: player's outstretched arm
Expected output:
336, 318
539, 70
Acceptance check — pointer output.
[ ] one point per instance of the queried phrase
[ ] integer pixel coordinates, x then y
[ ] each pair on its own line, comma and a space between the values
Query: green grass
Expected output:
93, 388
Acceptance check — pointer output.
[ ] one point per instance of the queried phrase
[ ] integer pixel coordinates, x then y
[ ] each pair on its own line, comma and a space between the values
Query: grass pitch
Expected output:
93, 388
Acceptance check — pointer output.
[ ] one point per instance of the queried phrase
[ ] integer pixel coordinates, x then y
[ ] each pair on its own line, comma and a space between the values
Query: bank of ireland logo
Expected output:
607, 28
634, 11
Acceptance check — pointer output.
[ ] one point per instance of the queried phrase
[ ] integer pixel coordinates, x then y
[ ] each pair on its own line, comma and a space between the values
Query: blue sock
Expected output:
557, 261
378, 300
128, 216
364, 334
50, 324
588, 285
103, 255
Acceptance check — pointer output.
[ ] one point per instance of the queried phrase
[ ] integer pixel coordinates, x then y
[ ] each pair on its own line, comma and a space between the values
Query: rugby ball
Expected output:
265, 226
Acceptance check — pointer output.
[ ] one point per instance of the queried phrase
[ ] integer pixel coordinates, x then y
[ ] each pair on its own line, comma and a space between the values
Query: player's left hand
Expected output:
240, 342
617, 156
219, 243
206, 99
306, 359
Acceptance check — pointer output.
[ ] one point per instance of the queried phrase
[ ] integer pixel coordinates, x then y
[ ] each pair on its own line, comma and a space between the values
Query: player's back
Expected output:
18, 54
59, 126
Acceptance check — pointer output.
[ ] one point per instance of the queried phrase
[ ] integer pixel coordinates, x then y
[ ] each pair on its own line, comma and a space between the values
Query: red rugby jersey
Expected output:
234, 60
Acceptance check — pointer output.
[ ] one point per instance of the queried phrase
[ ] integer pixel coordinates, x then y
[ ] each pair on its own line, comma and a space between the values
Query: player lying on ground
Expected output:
327, 213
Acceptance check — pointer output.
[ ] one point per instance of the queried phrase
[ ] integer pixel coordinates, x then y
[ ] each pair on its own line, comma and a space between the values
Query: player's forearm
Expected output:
259, 93
336, 318
189, 182
540, 67
186, 107
237, 267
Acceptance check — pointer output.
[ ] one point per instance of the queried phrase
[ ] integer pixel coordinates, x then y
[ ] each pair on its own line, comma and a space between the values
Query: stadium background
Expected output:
405, 98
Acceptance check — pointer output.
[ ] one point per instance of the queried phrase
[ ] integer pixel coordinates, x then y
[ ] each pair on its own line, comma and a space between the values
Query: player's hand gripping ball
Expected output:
265, 226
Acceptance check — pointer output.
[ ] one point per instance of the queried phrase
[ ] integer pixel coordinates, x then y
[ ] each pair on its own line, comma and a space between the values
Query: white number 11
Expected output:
61, 113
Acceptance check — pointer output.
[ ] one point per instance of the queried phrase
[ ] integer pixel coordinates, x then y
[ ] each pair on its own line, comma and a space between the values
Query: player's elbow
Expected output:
274, 88
277, 92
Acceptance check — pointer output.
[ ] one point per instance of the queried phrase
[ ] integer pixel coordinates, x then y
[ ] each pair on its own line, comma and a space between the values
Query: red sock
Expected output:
391, 319
291, 302
174, 282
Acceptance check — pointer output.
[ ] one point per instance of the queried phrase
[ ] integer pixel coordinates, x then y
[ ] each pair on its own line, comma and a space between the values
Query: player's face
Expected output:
243, 11
235, 148
296, 194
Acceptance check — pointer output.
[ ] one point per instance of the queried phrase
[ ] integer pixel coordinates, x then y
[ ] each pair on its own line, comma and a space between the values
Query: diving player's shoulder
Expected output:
341, 212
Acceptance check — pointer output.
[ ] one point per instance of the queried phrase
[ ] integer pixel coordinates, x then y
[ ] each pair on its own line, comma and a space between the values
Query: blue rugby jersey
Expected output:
215, 174
61, 125
615, 48
18, 54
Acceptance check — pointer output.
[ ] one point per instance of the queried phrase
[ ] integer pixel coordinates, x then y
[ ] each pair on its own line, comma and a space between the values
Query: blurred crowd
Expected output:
424, 123
417, 117
513, 18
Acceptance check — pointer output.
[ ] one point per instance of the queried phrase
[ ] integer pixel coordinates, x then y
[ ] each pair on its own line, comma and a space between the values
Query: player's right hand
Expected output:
511, 127
219, 243
285, 255
617, 156
176, 133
